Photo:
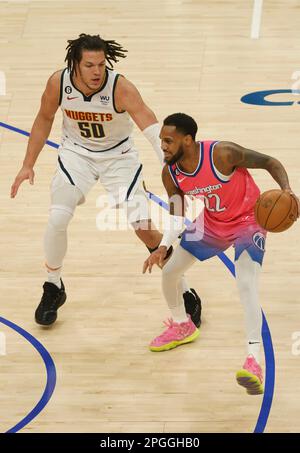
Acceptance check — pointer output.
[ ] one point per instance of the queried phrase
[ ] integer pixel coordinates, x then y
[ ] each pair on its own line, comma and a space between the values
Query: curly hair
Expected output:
112, 50
184, 124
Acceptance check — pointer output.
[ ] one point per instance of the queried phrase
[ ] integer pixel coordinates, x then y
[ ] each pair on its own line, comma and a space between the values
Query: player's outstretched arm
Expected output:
128, 98
40, 131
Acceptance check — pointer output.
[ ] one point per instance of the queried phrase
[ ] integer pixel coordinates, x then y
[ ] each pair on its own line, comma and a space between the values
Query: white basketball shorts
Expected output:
119, 171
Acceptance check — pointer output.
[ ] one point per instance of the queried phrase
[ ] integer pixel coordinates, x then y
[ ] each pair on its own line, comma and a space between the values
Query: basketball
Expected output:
276, 210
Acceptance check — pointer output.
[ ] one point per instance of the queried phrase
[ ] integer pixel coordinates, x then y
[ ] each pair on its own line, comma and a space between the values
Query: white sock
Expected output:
54, 277
254, 349
247, 273
179, 314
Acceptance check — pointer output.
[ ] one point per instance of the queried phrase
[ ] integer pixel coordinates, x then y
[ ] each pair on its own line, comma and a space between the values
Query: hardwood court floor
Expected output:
190, 56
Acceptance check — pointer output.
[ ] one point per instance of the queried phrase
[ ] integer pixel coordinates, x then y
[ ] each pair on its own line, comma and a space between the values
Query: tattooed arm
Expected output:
228, 156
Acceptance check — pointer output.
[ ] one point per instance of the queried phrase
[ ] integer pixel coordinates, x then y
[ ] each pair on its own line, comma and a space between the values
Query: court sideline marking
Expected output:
256, 18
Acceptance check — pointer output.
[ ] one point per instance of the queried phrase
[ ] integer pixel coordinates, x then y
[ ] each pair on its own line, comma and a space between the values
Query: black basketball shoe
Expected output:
52, 299
193, 306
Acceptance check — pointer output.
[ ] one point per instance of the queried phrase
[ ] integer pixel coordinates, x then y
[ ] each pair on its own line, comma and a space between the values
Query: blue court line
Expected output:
51, 376
27, 134
269, 379
266, 335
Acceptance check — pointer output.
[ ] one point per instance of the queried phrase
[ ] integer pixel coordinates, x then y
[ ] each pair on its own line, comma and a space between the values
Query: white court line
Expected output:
2, 343
2, 84
256, 18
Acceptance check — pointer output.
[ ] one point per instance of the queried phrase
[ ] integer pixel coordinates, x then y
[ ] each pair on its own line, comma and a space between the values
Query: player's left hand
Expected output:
156, 257
296, 199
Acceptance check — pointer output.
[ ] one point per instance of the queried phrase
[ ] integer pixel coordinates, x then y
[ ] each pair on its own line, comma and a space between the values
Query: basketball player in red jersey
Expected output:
98, 106
216, 172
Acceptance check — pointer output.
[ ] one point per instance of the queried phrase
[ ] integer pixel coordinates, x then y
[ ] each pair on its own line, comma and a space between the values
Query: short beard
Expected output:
176, 157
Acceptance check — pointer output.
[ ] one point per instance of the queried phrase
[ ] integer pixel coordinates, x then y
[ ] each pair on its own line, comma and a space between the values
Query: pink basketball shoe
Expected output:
175, 335
251, 376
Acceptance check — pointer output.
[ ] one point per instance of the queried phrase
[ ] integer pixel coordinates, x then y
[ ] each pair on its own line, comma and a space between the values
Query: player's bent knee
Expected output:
64, 193
59, 219
169, 270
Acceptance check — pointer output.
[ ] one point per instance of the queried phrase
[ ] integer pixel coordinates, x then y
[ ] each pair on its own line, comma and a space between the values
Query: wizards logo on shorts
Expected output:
259, 240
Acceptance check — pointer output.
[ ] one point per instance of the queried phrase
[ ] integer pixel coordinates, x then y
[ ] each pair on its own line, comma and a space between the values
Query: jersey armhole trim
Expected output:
61, 86
113, 94
222, 178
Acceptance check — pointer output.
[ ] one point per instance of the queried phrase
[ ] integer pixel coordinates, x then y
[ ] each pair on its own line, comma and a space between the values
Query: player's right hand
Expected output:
24, 173
156, 257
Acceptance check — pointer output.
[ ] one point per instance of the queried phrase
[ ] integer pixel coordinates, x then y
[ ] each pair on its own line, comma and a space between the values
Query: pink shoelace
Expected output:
252, 366
174, 330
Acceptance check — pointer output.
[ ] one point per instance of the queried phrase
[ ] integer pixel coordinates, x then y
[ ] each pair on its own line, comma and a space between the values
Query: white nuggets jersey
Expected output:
92, 122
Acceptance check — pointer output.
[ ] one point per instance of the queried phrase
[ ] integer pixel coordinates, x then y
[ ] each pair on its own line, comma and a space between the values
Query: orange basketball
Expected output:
276, 210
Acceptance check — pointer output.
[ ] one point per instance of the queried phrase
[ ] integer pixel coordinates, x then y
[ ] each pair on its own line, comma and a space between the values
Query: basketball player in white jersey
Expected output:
97, 105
